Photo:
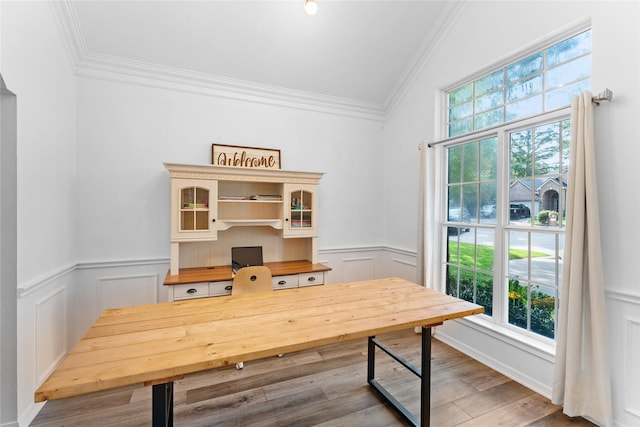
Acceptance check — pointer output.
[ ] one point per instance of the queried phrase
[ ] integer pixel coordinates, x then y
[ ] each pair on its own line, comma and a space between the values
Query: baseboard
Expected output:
27, 416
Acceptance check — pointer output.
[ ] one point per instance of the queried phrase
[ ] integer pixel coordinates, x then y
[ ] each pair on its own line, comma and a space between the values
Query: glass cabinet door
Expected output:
194, 209
194, 204
300, 215
301, 209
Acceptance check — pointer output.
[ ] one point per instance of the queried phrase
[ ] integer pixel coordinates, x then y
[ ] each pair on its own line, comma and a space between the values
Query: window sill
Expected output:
542, 348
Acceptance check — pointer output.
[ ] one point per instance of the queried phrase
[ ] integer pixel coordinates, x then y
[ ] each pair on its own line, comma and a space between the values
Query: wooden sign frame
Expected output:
238, 156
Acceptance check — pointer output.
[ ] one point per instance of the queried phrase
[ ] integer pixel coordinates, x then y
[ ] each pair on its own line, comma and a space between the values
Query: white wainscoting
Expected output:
353, 264
55, 311
44, 305
623, 311
50, 338
122, 291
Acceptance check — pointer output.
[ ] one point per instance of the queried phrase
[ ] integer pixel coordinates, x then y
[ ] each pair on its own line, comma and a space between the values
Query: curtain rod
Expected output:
606, 95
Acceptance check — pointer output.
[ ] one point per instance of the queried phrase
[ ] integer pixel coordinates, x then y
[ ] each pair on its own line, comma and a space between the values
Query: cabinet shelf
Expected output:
225, 224
249, 201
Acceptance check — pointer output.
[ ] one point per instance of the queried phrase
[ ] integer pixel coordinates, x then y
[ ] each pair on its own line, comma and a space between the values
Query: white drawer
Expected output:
285, 282
217, 289
190, 290
310, 279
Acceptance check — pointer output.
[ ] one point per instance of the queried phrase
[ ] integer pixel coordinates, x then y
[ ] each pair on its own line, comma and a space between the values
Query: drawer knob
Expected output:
228, 288
192, 291
311, 279
282, 282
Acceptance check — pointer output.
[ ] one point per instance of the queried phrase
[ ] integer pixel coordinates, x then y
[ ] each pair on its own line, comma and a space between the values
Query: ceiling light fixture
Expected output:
310, 6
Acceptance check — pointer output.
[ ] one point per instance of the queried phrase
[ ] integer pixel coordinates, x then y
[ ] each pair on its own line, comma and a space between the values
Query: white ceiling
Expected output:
358, 51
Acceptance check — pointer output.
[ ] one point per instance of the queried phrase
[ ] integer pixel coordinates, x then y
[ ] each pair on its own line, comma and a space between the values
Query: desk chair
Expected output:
255, 278
251, 279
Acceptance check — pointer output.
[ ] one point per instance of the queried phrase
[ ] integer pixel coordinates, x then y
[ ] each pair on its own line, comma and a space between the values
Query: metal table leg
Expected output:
424, 374
162, 411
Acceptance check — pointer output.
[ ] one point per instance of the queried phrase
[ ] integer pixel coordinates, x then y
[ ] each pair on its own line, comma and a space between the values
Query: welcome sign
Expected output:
245, 157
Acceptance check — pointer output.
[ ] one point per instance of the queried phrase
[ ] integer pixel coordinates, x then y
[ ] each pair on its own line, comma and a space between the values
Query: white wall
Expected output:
36, 68
38, 71
484, 33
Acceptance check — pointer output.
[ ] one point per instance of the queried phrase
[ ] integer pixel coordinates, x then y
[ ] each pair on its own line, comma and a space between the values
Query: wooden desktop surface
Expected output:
157, 343
223, 272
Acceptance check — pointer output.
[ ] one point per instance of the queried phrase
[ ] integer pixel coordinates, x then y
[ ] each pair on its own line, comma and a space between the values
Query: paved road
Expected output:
543, 269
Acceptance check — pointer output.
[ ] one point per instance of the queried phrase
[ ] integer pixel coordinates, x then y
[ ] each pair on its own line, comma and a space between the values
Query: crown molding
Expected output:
67, 22
92, 65
104, 67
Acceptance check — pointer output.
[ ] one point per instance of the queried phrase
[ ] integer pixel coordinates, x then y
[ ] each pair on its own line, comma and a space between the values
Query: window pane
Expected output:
469, 202
467, 255
461, 127
484, 248
454, 201
484, 292
543, 258
520, 194
560, 257
524, 67
525, 108
470, 162
543, 307
466, 286
454, 248
488, 211
460, 95
520, 153
455, 165
488, 158
489, 118
460, 111
570, 48
452, 281
571, 71
547, 149
490, 100
524, 89
490, 82
518, 255
566, 140
518, 303
561, 97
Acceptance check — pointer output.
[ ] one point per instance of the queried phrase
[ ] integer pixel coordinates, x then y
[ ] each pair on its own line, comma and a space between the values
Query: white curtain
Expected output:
581, 377
429, 219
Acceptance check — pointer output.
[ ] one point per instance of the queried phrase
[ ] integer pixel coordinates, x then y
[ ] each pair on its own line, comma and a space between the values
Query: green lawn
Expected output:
484, 255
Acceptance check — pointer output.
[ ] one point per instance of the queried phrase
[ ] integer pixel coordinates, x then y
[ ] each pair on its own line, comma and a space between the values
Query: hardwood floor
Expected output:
325, 386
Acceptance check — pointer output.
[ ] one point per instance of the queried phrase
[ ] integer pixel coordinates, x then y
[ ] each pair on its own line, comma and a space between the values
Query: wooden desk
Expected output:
223, 273
158, 343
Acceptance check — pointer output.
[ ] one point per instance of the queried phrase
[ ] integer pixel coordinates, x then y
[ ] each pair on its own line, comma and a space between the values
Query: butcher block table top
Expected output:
160, 342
